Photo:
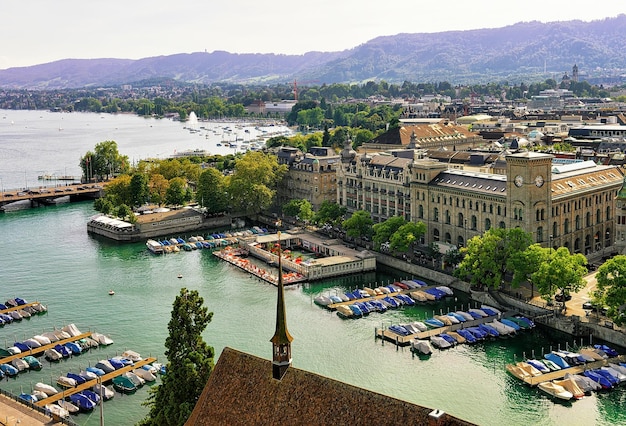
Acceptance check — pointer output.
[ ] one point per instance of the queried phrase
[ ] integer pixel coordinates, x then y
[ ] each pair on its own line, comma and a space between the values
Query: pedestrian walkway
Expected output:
13, 413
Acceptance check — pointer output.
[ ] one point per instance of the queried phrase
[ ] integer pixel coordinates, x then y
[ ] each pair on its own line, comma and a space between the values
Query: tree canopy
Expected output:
211, 191
104, 162
611, 290
384, 230
561, 272
488, 257
406, 236
359, 225
189, 363
329, 212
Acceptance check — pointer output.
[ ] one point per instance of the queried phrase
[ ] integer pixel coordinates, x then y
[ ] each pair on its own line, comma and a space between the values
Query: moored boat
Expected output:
47, 389
124, 385
421, 346
555, 390
57, 410
71, 408
571, 386
439, 342
82, 402
155, 247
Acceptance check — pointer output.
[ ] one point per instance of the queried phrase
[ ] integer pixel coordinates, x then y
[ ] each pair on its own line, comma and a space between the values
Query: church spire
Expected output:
281, 341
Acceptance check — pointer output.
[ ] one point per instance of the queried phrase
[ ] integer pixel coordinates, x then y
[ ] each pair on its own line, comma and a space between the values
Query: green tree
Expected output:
524, 264
158, 188
139, 191
126, 213
119, 190
211, 191
561, 273
611, 290
104, 162
252, 186
359, 225
329, 212
406, 236
189, 363
384, 230
300, 209
176, 192
488, 257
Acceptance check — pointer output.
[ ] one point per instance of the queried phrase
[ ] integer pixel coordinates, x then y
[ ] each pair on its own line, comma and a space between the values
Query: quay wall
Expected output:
573, 325
136, 234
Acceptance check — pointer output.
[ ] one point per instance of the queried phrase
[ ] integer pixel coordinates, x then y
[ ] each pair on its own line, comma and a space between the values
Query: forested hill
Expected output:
522, 52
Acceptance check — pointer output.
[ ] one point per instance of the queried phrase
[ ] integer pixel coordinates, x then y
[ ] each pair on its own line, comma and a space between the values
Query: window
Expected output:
540, 234
566, 226
487, 224
436, 215
474, 222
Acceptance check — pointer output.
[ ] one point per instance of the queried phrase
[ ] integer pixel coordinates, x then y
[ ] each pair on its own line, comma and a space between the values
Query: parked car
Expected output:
563, 297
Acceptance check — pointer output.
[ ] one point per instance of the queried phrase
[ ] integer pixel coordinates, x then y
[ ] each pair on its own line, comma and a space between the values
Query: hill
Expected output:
527, 51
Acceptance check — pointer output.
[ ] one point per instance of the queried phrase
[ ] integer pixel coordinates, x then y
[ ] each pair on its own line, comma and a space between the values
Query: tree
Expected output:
158, 188
126, 213
118, 190
488, 257
252, 186
300, 209
175, 194
359, 224
406, 236
329, 212
139, 191
384, 230
611, 290
525, 264
189, 363
105, 162
211, 191
562, 272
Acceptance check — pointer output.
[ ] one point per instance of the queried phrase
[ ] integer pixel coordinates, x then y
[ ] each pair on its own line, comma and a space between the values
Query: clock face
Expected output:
519, 180
539, 181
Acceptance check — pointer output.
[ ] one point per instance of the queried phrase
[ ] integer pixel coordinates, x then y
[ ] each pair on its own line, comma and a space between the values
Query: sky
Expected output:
41, 31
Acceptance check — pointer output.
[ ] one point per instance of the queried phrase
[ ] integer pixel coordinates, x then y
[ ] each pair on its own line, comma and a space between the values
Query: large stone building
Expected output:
563, 204
311, 176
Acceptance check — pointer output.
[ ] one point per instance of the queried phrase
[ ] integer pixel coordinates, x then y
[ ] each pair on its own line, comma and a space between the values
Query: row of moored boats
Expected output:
573, 386
360, 302
9, 313
86, 400
210, 241
40, 344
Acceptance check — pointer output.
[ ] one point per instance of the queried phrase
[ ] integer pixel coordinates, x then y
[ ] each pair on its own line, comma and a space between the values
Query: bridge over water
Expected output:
50, 195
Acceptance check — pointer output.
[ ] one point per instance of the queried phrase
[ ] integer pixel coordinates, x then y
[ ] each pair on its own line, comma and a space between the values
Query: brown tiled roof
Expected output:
241, 391
402, 135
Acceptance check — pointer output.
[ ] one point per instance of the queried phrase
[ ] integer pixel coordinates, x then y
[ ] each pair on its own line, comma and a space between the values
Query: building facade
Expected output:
562, 204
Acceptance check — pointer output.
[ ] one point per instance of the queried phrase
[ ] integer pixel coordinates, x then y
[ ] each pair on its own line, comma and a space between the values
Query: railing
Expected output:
33, 407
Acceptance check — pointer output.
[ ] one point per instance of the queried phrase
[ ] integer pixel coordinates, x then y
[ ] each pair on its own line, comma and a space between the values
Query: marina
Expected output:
50, 258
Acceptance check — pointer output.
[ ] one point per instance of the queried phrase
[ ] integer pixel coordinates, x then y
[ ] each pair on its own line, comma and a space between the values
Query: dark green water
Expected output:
49, 257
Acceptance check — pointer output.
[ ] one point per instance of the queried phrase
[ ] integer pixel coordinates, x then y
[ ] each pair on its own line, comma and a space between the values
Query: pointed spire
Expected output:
281, 341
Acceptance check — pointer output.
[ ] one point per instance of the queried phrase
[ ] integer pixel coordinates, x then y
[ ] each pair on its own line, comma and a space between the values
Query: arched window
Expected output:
460, 242
598, 216
436, 215
555, 228
459, 219
502, 225
447, 217
577, 222
566, 226
588, 219
540, 234
474, 222
435, 234
608, 213
420, 211
577, 245
487, 224
448, 238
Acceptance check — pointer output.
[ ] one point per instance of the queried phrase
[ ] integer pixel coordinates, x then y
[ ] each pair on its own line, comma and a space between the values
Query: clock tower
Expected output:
529, 197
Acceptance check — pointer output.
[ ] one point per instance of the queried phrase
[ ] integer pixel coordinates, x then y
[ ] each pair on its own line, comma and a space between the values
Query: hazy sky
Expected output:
39, 31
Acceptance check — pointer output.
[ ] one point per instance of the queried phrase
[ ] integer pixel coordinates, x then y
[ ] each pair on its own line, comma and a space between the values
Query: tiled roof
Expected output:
577, 181
241, 391
402, 135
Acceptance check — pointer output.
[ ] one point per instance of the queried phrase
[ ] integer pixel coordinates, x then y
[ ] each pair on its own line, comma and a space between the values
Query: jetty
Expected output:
577, 369
90, 383
43, 348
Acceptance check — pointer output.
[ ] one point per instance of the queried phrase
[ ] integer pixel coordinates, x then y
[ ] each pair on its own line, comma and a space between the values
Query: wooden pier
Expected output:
43, 348
390, 336
577, 369
19, 307
89, 384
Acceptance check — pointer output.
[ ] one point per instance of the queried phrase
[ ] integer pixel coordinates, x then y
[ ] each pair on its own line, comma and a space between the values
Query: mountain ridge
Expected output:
522, 51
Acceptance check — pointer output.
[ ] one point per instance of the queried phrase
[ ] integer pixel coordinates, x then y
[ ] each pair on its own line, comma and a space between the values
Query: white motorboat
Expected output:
440, 342
479, 312
52, 355
465, 315
145, 374
58, 411
43, 340
47, 389
71, 408
102, 339
420, 325
570, 385
72, 330
137, 381
88, 375
132, 355
66, 382
105, 366
447, 290
154, 246
32, 343
20, 364
421, 346
101, 390
556, 391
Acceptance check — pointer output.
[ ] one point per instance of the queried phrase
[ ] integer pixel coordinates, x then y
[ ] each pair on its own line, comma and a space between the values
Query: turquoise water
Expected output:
48, 256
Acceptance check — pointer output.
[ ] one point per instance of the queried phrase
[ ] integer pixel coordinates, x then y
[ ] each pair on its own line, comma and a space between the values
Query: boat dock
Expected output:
233, 256
43, 348
89, 384
577, 369
398, 340
19, 307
